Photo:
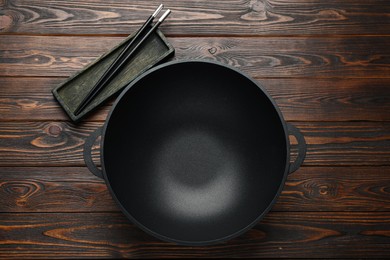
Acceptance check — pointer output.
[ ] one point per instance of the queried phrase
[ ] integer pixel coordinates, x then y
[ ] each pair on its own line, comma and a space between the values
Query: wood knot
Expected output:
6, 22
21, 202
36, 58
330, 15
212, 50
257, 11
257, 6
53, 136
323, 190
20, 191
54, 130
28, 105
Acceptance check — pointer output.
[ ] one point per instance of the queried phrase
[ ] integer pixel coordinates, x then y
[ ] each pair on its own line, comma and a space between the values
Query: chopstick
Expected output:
122, 58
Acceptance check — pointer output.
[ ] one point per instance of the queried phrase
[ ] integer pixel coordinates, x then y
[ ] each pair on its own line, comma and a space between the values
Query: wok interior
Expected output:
194, 152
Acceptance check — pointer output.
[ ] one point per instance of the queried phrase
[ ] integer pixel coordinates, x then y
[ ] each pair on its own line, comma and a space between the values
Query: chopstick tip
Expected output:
157, 11
162, 18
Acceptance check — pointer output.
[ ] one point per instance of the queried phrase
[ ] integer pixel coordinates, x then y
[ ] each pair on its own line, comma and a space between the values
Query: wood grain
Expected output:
190, 17
53, 189
43, 143
299, 99
331, 99
75, 189
270, 57
61, 143
336, 189
343, 143
280, 234
30, 98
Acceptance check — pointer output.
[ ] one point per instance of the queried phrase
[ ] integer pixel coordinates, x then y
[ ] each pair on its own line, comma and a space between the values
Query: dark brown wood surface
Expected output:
219, 17
261, 57
326, 64
280, 234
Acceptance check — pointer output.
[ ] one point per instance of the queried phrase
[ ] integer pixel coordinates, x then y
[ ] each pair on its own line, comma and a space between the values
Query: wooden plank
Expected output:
235, 17
75, 189
53, 189
280, 234
61, 143
336, 189
270, 57
346, 143
43, 143
299, 99
30, 98
331, 99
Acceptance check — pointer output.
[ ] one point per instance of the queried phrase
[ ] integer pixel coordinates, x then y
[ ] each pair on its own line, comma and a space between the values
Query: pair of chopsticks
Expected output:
125, 55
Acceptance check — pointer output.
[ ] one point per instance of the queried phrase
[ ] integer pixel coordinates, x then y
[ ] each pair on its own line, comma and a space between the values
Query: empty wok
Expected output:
195, 152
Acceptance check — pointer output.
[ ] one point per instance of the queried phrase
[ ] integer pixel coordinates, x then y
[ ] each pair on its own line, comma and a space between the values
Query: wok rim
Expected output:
186, 242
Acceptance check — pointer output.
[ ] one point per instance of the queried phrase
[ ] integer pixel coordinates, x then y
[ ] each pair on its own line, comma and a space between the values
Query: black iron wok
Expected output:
195, 152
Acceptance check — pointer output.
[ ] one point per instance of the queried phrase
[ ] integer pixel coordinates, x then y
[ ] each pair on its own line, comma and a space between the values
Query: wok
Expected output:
195, 152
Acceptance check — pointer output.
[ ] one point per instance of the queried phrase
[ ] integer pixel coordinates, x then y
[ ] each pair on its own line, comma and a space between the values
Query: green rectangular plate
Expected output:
70, 93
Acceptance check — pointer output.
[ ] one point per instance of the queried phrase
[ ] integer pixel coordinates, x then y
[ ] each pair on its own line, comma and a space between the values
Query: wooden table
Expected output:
326, 63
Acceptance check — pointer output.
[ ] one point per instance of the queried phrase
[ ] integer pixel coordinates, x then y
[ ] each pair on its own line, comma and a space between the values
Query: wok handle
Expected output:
88, 153
302, 147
